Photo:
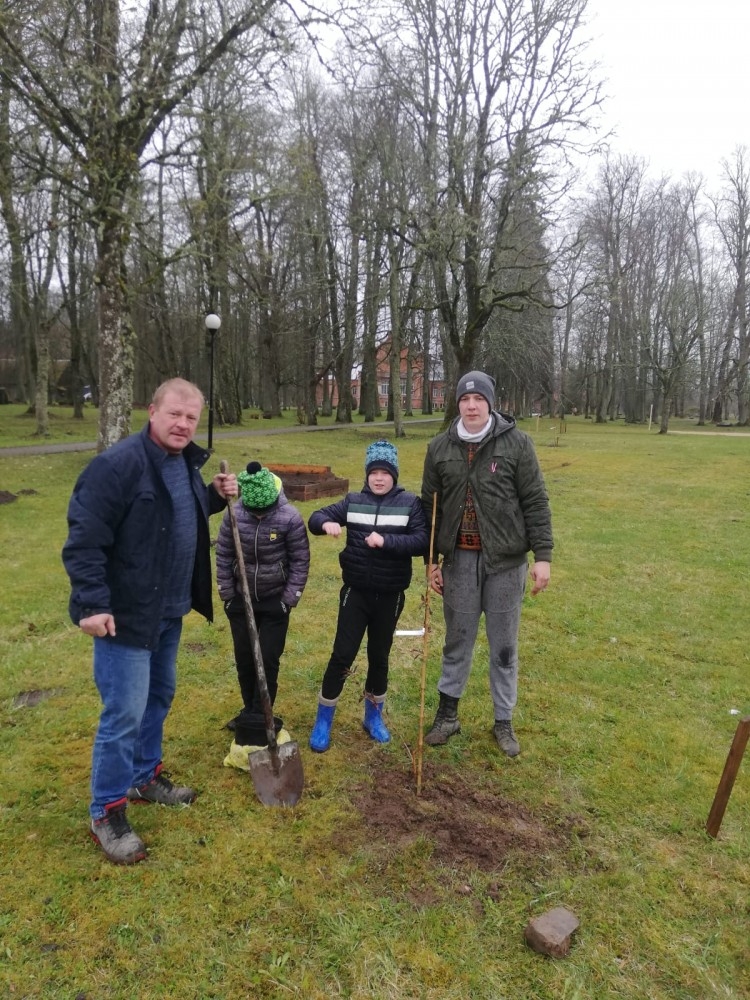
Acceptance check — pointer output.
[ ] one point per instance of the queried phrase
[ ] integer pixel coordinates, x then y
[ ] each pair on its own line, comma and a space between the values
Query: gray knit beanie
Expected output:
477, 382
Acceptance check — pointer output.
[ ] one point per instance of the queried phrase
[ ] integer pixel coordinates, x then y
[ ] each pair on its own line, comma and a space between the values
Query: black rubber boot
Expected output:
446, 722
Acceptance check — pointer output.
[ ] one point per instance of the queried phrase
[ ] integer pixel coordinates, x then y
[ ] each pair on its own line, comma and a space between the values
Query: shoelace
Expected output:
118, 823
162, 778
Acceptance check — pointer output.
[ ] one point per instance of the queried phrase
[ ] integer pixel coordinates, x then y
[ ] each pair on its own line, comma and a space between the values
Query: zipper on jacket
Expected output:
255, 549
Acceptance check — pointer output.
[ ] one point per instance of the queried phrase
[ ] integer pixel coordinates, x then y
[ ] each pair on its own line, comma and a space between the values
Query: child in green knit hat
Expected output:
277, 560
259, 487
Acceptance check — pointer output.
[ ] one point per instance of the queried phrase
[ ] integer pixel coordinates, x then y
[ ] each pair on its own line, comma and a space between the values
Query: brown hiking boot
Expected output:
446, 722
506, 738
160, 789
120, 844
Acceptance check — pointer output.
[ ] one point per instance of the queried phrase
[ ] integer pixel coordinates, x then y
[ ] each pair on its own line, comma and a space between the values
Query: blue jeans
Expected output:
136, 687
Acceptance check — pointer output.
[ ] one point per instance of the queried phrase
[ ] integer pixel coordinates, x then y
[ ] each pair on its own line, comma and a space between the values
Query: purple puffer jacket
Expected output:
275, 549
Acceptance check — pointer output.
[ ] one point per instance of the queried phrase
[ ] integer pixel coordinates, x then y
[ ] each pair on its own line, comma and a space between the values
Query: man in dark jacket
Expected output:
385, 529
492, 509
138, 558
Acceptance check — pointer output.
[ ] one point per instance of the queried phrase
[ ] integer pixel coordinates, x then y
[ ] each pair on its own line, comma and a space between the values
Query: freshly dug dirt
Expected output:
467, 822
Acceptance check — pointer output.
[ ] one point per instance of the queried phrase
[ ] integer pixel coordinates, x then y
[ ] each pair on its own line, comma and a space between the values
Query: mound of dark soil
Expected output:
468, 823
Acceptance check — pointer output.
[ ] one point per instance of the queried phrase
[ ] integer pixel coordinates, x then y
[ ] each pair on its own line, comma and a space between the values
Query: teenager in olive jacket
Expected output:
492, 510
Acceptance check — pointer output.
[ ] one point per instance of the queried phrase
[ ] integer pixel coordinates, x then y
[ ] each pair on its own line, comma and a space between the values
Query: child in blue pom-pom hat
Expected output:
385, 529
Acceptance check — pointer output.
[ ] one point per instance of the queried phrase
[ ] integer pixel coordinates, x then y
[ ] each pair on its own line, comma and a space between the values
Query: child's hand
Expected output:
332, 528
374, 540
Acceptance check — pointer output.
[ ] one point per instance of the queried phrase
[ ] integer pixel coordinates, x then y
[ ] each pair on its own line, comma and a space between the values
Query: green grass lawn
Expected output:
634, 674
18, 425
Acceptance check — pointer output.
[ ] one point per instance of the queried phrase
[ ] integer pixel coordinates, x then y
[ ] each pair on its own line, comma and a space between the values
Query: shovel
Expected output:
276, 770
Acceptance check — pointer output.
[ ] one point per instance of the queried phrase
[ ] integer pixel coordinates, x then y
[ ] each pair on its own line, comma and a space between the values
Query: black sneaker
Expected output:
160, 789
120, 844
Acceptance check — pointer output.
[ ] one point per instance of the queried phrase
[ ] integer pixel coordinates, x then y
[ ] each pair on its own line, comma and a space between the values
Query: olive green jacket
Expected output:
509, 494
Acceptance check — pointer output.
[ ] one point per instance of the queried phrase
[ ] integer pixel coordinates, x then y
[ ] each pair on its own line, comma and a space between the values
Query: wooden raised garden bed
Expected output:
309, 482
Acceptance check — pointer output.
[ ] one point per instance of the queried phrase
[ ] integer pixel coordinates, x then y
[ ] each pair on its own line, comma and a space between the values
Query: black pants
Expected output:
363, 611
272, 622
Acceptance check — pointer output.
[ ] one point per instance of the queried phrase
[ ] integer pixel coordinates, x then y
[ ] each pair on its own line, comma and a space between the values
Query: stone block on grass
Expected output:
551, 933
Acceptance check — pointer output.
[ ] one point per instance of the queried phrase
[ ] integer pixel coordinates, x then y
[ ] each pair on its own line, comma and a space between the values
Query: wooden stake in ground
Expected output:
732, 766
425, 648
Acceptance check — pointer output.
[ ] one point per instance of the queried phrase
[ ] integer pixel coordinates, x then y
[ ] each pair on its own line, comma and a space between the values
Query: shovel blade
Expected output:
277, 774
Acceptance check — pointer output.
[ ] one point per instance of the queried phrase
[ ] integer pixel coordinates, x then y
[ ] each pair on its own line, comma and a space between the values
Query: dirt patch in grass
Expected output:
7, 497
467, 823
29, 699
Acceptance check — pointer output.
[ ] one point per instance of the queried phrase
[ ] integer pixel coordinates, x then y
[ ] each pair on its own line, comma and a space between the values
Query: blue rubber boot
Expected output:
373, 720
320, 737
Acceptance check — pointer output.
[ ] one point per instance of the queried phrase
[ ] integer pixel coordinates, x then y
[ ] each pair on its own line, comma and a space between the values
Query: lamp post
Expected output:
213, 322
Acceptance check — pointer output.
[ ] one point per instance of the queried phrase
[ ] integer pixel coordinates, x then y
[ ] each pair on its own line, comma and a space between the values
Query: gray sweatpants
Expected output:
467, 592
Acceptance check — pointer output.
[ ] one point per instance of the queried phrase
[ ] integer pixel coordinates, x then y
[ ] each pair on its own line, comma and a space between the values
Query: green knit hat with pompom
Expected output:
259, 487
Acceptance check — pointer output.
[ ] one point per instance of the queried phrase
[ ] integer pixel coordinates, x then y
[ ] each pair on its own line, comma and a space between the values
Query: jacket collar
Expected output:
501, 424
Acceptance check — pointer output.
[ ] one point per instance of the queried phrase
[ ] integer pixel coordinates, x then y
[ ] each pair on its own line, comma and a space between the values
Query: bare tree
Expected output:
616, 247
678, 316
102, 80
732, 214
497, 89
18, 287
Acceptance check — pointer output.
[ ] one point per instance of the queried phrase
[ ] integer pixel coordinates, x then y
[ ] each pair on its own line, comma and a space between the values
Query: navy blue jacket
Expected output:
398, 517
118, 554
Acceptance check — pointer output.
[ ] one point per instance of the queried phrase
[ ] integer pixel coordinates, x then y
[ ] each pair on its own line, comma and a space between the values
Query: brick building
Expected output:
383, 377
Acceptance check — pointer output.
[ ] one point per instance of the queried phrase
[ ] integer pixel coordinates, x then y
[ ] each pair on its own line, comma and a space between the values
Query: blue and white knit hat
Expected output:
382, 455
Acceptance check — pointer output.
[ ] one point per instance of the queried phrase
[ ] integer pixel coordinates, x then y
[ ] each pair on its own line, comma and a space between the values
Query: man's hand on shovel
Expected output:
225, 484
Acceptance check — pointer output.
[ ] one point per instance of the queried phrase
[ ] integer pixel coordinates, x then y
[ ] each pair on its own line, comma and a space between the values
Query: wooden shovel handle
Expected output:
425, 649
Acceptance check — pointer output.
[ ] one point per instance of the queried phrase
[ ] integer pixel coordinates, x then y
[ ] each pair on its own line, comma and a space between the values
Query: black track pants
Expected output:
363, 611
272, 622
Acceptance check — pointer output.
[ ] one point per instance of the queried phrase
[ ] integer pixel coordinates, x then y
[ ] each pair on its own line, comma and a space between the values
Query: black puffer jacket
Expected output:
398, 517
275, 550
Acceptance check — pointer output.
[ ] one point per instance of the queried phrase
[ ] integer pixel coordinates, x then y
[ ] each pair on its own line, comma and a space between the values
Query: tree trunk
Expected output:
116, 334
20, 309
41, 403
395, 365
426, 364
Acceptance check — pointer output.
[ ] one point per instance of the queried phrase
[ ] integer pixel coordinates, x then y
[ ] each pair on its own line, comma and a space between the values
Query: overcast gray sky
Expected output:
678, 79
